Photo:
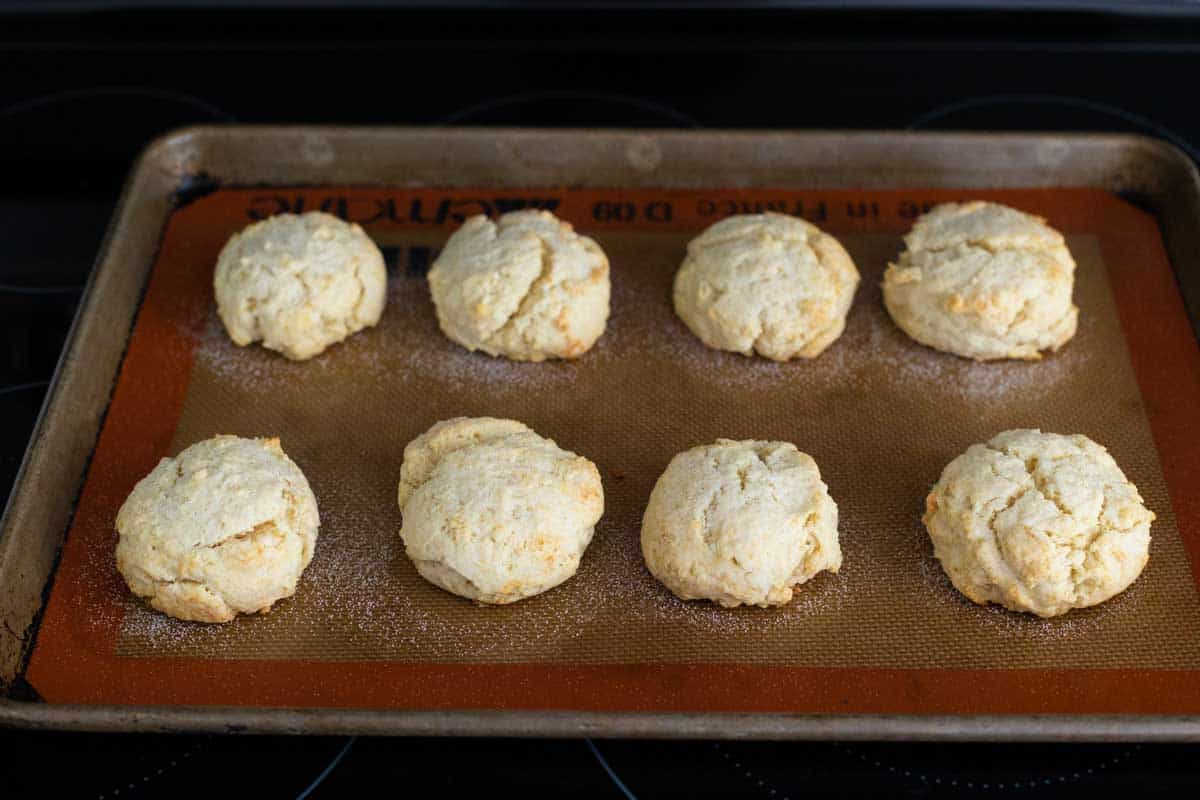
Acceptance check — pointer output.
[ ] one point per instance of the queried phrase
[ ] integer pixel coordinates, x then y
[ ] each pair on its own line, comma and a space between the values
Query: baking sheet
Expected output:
880, 414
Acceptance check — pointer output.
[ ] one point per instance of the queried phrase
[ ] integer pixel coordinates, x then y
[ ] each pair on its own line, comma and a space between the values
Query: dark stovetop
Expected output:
80, 94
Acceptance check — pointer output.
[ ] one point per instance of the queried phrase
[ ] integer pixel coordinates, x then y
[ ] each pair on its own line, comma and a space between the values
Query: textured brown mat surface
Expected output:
880, 414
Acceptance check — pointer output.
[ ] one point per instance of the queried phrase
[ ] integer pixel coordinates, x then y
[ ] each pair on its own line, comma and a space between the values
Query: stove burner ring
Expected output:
970, 780
330, 767
150, 92
893, 766
612, 774
508, 102
20, 387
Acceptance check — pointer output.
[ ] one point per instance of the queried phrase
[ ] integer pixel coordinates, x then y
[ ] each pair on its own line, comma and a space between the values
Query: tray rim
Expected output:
1170, 185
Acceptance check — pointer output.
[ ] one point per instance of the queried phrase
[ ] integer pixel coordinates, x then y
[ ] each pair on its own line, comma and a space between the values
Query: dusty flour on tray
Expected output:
1017, 626
405, 347
644, 325
881, 414
381, 607
255, 368
625, 586
362, 598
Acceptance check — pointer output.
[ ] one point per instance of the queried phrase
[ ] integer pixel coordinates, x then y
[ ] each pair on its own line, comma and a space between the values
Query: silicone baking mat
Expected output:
880, 414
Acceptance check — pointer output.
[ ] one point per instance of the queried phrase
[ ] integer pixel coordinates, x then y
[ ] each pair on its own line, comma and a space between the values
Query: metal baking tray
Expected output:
180, 166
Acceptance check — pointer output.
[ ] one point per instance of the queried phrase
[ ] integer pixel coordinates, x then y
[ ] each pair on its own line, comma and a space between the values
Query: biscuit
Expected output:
492, 511
299, 283
526, 287
1038, 522
983, 281
224, 528
765, 283
740, 523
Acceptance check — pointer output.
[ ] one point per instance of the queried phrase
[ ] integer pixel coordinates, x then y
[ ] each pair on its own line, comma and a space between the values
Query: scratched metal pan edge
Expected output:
1149, 172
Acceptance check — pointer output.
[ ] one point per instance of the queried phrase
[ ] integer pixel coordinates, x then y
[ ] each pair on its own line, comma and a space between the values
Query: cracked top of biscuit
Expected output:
525, 286
223, 528
299, 283
989, 226
740, 522
770, 284
983, 281
493, 511
1038, 522
423, 454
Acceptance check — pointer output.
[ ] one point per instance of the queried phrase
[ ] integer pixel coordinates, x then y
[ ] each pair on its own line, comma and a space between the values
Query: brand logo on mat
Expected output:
813, 211
411, 211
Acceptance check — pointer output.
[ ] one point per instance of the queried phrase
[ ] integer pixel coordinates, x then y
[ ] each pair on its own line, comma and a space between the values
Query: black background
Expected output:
81, 93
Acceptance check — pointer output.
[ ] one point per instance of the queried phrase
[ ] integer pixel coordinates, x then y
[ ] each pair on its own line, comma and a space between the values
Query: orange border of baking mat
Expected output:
73, 659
